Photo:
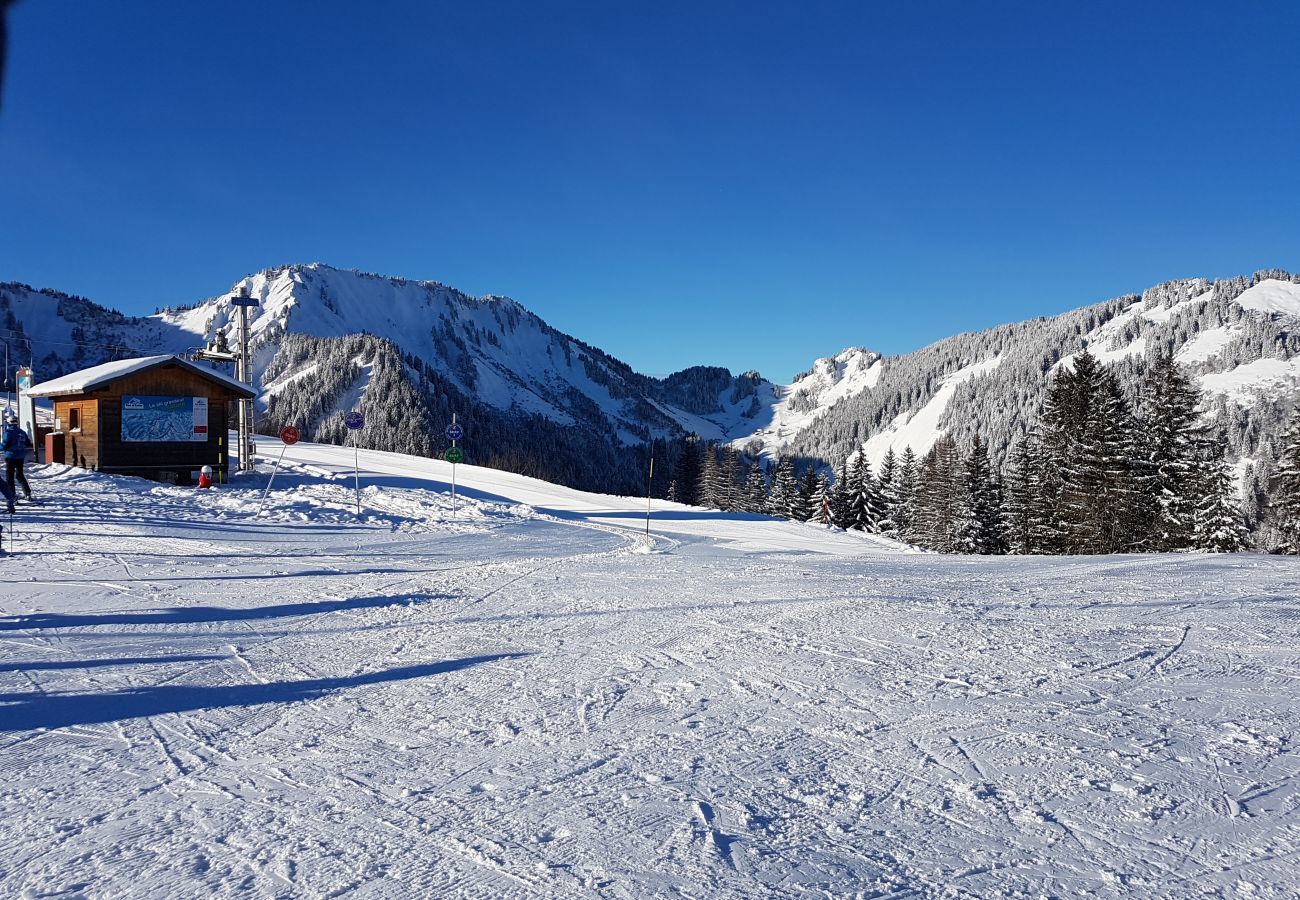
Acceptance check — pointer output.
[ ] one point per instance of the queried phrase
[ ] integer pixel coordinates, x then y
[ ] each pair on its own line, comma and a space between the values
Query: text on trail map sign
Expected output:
454, 455
454, 432
289, 435
354, 420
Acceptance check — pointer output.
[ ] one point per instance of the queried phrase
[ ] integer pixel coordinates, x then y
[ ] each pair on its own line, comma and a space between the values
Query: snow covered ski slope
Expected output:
531, 700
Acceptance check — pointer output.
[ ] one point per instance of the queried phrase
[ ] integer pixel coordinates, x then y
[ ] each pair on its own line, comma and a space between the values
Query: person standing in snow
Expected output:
15, 445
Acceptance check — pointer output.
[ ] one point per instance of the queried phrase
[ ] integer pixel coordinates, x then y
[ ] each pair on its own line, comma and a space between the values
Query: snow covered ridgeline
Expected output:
1237, 336
409, 352
490, 348
196, 703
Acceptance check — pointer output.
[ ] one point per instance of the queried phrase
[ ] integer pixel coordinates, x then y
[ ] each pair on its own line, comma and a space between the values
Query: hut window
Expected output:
74, 418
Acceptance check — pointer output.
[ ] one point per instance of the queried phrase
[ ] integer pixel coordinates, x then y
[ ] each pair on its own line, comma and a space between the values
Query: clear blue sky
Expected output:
743, 184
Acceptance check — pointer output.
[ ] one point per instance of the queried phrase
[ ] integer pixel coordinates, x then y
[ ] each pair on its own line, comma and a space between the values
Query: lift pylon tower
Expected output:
219, 351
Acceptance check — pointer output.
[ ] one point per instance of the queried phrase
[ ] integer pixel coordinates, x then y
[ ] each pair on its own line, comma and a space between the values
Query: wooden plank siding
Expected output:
80, 445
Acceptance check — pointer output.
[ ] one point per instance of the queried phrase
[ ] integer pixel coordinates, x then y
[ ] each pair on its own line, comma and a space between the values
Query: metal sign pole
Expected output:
453, 455
289, 435
355, 422
356, 469
648, 482
244, 461
270, 481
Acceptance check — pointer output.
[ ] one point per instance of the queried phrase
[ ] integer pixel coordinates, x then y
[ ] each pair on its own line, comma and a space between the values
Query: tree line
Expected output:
1095, 473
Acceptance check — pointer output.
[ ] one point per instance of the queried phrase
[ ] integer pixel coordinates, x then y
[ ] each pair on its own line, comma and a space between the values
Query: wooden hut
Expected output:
159, 417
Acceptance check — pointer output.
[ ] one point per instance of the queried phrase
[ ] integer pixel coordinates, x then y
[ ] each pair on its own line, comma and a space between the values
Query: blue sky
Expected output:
743, 184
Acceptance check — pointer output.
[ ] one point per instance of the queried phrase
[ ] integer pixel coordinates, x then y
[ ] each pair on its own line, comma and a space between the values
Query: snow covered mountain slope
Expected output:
525, 700
409, 353
1239, 337
56, 333
795, 406
489, 348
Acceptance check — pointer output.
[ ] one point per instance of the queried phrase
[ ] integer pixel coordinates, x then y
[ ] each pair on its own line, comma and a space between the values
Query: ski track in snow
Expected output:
534, 700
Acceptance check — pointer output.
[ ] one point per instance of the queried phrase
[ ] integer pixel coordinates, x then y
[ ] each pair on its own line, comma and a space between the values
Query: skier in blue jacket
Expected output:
15, 444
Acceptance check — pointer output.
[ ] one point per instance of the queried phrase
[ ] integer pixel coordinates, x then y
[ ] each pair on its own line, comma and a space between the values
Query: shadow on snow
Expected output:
183, 615
30, 710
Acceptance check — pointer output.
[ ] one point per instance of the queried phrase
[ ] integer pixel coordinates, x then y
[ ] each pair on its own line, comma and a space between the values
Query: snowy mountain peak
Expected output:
794, 407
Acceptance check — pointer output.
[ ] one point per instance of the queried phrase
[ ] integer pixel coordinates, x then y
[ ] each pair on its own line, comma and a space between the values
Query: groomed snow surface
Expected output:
533, 700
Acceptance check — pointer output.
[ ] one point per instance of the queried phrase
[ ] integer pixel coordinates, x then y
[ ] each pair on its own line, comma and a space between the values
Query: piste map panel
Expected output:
164, 419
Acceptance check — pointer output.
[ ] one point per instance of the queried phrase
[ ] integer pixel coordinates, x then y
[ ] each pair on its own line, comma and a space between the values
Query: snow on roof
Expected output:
98, 376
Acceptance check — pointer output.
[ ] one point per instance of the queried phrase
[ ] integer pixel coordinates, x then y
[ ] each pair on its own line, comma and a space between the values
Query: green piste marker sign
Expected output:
454, 455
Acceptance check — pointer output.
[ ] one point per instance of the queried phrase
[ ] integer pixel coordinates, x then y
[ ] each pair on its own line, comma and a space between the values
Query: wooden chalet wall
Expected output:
80, 445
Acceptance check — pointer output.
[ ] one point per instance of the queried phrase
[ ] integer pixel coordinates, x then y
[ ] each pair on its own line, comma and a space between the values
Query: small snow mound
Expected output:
644, 548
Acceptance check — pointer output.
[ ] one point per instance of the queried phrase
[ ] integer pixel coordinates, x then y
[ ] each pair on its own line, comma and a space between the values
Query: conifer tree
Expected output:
1021, 494
1089, 497
864, 509
729, 483
780, 501
686, 474
807, 496
887, 483
756, 489
1217, 521
711, 490
841, 497
905, 508
1121, 508
822, 513
1286, 490
939, 493
1170, 410
1076, 437
982, 530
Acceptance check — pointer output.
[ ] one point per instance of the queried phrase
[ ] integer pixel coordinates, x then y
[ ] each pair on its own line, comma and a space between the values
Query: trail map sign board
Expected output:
164, 419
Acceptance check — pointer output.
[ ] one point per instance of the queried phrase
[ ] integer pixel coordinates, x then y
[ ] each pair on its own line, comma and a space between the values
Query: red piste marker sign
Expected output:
289, 435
